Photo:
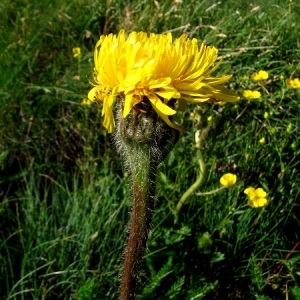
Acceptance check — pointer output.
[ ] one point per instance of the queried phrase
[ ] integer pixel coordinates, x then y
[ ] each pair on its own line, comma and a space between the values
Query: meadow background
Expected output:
64, 198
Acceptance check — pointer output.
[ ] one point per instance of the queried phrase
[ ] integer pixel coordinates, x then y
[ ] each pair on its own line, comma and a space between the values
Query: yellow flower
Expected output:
256, 197
85, 102
155, 69
260, 75
293, 83
209, 119
251, 94
262, 141
76, 51
228, 180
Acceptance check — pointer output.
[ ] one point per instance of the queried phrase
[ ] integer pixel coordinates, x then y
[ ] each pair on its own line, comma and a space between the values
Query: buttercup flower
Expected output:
248, 94
256, 197
155, 69
228, 180
262, 141
293, 83
86, 102
260, 75
76, 51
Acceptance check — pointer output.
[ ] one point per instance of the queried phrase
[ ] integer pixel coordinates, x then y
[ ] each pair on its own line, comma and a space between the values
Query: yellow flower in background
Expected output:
228, 180
266, 115
209, 119
293, 83
260, 75
155, 69
262, 141
76, 51
86, 102
256, 197
248, 94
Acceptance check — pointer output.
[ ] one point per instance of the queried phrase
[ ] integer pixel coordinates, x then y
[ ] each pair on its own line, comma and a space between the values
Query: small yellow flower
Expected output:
256, 197
157, 70
209, 118
248, 94
262, 141
76, 51
293, 83
86, 102
228, 180
260, 75
266, 115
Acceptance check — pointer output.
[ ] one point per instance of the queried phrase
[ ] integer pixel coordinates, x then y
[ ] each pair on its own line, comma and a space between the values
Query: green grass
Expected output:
64, 194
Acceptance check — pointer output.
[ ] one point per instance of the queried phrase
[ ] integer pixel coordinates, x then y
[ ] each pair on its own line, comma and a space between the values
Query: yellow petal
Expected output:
160, 106
92, 95
250, 191
168, 122
223, 94
159, 83
109, 121
261, 193
168, 93
127, 105
257, 202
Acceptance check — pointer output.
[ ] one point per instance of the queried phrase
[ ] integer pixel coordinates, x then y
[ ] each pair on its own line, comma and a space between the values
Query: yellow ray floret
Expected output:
154, 68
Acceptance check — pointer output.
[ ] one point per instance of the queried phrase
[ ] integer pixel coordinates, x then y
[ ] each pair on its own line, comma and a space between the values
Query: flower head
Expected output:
248, 94
155, 69
228, 180
76, 51
260, 75
256, 197
293, 83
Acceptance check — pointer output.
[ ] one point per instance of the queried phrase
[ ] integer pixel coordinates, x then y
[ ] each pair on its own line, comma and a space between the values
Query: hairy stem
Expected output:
143, 174
143, 140
141, 217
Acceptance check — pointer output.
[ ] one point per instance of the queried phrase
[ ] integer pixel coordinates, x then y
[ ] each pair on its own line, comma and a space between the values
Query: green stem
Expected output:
210, 192
195, 185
